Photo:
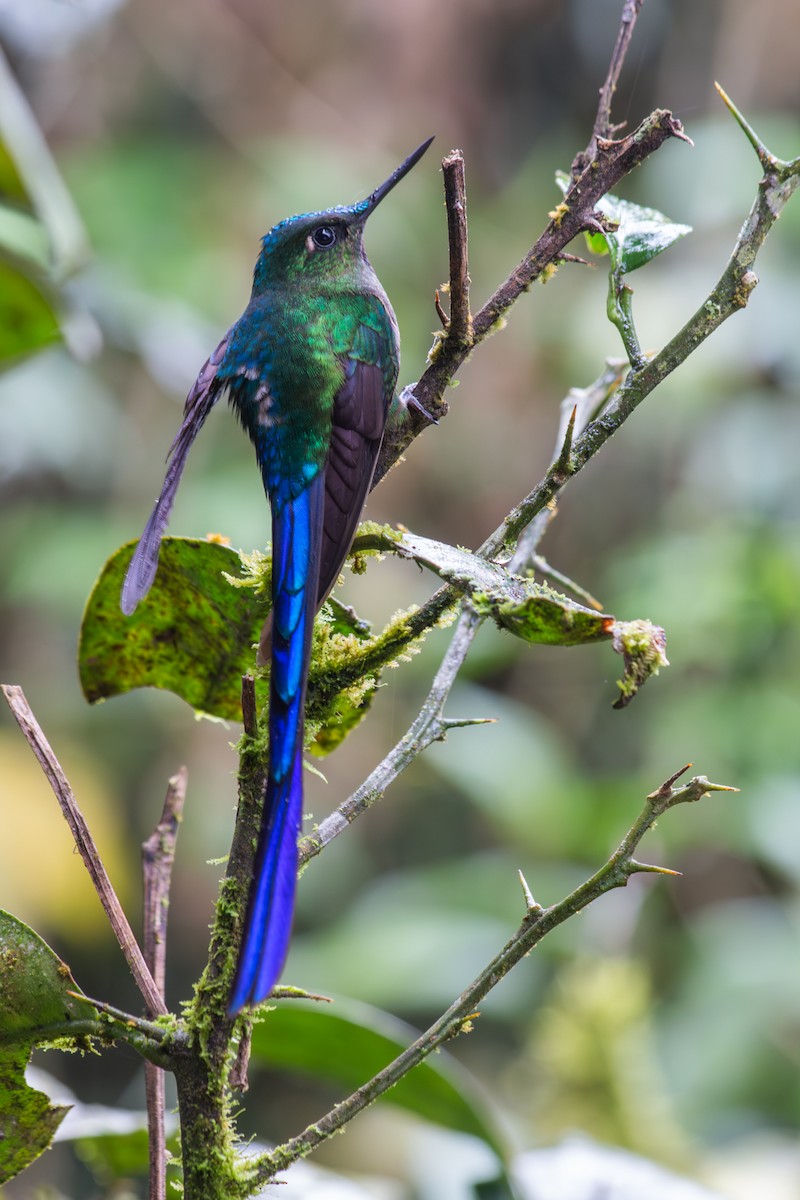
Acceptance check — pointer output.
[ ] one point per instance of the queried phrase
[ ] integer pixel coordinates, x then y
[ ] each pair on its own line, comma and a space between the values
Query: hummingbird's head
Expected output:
322, 245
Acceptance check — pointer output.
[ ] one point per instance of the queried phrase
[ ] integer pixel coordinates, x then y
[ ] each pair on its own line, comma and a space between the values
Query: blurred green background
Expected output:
667, 1018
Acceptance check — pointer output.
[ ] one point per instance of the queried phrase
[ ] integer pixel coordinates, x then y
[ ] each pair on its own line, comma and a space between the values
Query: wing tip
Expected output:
138, 581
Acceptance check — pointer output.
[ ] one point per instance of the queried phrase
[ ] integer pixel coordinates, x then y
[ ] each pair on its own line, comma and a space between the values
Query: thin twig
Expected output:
158, 856
86, 848
459, 327
237, 1078
249, 708
540, 564
537, 922
578, 408
441, 314
767, 160
603, 129
128, 1020
427, 728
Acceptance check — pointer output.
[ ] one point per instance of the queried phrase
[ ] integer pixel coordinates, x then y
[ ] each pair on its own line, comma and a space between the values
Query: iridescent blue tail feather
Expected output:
296, 537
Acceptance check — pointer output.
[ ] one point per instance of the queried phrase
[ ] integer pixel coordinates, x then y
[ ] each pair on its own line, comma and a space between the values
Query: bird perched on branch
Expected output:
310, 369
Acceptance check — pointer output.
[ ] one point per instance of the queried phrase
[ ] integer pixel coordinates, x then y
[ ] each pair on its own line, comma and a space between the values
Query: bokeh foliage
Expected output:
178, 159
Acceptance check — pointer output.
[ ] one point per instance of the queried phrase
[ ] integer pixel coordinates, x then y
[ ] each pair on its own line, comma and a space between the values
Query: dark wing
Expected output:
144, 564
359, 418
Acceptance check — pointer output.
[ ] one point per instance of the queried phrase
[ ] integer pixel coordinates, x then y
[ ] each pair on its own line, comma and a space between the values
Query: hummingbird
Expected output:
310, 370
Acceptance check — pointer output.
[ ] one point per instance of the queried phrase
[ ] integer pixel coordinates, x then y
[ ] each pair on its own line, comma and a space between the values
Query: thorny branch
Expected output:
536, 923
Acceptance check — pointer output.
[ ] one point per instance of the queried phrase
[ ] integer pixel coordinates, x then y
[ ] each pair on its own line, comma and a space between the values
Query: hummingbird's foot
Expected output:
408, 400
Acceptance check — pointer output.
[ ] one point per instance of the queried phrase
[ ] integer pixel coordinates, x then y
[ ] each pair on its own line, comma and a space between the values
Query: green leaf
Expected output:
353, 1042
30, 179
192, 635
27, 318
12, 185
23, 237
34, 1001
641, 233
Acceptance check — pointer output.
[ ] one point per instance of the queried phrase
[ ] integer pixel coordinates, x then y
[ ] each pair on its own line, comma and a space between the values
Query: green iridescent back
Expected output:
310, 312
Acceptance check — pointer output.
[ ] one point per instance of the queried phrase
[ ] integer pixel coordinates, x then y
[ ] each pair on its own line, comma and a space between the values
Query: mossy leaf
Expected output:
36, 1006
193, 634
531, 611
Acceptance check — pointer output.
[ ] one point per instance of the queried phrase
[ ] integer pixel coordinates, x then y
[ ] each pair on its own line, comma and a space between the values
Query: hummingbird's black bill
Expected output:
374, 200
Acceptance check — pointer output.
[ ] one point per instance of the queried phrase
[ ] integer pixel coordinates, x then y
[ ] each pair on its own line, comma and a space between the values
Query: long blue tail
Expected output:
296, 538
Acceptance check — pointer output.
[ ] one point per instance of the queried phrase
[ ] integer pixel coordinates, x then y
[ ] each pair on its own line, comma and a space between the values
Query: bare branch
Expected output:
249, 709
459, 328
158, 856
603, 129
613, 161
86, 847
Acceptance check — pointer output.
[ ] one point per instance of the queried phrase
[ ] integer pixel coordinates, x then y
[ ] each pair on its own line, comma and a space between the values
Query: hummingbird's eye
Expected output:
324, 236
